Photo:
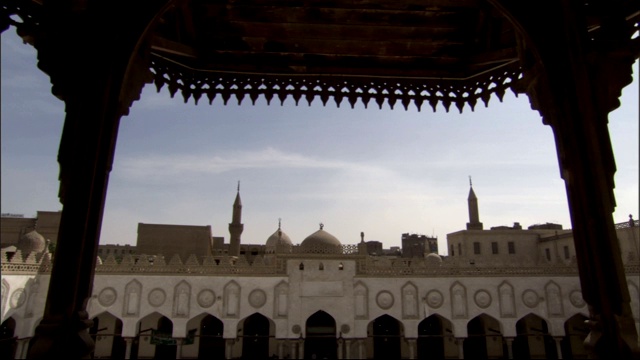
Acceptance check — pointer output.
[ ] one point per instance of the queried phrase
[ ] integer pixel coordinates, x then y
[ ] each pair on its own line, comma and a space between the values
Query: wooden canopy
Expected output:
570, 57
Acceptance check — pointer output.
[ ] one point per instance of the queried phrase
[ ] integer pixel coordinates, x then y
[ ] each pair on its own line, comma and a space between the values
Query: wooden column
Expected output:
574, 78
86, 57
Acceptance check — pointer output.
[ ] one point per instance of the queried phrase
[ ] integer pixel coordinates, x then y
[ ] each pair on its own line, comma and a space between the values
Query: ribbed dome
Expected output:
321, 241
32, 241
278, 238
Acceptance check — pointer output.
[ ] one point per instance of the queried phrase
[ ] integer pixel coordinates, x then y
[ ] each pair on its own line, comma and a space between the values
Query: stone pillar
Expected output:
412, 348
362, 351
340, 348
460, 342
228, 349
22, 346
128, 342
558, 341
347, 348
280, 349
509, 341
179, 343
301, 349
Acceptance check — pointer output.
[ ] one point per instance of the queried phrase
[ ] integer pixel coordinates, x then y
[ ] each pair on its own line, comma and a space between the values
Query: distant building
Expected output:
415, 245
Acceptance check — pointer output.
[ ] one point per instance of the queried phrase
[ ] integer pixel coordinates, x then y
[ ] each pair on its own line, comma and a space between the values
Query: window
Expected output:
341, 267
566, 252
476, 248
548, 253
452, 252
301, 267
494, 248
512, 247
321, 267
459, 249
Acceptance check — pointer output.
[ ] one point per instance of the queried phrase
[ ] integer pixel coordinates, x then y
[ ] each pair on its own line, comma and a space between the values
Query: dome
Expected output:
433, 257
32, 241
321, 241
278, 242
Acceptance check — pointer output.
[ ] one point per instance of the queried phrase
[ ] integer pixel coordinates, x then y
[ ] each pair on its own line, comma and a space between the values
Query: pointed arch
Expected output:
231, 300
281, 300
155, 338
576, 331
320, 341
361, 300
533, 340
211, 344
107, 334
436, 339
554, 299
182, 299
484, 338
458, 301
256, 332
409, 301
506, 300
132, 294
386, 333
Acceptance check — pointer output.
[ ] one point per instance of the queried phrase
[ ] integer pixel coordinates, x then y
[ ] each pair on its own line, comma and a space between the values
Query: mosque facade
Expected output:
502, 293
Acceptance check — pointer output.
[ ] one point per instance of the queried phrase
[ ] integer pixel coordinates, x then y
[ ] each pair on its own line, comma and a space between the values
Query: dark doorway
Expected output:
211, 344
255, 337
108, 328
484, 339
7, 340
576, 331
320, 342
386, 332
165, 331
435, 336
533, 340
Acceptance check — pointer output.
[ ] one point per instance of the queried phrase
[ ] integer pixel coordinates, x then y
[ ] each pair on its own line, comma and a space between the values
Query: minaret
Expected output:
236, 226
474, 216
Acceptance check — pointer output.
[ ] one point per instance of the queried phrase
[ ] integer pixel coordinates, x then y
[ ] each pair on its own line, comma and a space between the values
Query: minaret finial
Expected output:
279, 223
321, 226
470, 183
238, 185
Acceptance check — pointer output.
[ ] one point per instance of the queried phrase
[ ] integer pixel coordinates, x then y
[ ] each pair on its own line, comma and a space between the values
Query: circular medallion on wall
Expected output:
482, 299
157, 297
257, 298
18, 298
384, 299
296, 329
206, 298
434, 299
345, 328
107, 296
530, 298
576, 298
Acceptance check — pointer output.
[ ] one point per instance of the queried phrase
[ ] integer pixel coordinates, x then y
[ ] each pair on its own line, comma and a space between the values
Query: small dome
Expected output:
321, 241
32, 241
433, 257
278, 242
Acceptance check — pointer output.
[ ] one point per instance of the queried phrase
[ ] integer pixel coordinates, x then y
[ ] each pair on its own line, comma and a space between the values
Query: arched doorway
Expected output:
320, 341
435, 338
165, 345
484, 339
211, 343
576, 331
533, 340
107, 335
255, 333
386, 332
7, 340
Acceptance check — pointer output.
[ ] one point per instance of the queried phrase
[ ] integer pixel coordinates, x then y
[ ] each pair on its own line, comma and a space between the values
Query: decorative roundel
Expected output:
257, 298
384, 299
345, 328
18, 298
482, 299
157, 297
530, 298
107, 296
434, 299
206, 298
576, 298
296, 329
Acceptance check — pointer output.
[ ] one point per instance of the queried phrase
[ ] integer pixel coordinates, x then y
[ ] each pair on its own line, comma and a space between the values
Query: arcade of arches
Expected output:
321, 340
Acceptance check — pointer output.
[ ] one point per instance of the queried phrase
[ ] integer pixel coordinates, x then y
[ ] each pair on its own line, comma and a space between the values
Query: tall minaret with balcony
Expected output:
474, 215
236, 227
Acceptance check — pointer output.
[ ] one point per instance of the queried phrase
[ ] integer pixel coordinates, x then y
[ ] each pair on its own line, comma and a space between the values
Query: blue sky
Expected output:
384, 172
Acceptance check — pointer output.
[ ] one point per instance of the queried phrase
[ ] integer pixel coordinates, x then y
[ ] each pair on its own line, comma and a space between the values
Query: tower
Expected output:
474, 215
236, 227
